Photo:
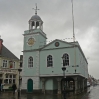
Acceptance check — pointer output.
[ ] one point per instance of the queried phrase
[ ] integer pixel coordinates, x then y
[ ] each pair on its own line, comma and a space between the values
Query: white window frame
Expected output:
5, 64
30, 62
50, 61
14, 64
66, 59
8, 79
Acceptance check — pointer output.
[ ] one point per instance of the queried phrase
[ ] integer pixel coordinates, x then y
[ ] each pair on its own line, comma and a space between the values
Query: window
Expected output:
10, 79
49, 61
12, 64
14, 76
30, 62
65, 60
6, 76
6, 81
10, 76
0, 75
13, 80
4, 63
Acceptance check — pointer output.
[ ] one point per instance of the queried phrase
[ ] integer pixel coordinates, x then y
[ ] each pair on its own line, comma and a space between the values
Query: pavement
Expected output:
9, 95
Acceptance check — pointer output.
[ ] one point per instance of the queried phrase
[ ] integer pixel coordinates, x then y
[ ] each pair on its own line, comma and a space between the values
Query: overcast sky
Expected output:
57, 18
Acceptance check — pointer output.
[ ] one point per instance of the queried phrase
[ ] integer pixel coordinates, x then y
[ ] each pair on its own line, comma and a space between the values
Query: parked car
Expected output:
88, 84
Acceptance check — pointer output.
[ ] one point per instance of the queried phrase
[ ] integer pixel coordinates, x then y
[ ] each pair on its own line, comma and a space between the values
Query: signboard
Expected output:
7, 70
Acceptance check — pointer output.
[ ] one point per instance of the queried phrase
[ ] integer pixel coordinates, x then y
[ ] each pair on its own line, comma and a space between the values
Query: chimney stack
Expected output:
1, 41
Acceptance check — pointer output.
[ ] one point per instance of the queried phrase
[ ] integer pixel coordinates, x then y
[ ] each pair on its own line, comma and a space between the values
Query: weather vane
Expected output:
36, 8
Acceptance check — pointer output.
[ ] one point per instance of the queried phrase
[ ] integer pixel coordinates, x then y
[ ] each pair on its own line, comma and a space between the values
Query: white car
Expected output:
88, 84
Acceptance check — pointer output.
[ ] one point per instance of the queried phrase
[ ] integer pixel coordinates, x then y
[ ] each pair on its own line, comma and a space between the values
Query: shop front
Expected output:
7, 78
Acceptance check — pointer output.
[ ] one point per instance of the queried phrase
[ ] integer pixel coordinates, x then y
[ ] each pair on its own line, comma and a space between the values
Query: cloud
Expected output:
57, 18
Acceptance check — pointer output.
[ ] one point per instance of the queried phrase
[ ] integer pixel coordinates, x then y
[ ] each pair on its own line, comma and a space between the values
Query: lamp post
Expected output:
19, 70
63, 69
64, 92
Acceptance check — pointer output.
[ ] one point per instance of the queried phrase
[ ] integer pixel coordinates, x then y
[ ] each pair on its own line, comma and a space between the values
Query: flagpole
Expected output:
73, 21
74, 39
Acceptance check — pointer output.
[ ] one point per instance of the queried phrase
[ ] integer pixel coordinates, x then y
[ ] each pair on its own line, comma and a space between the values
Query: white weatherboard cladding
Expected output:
35, 83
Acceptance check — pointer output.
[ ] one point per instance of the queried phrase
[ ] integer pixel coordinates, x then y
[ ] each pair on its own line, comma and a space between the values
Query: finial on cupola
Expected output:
36, 8
35, 22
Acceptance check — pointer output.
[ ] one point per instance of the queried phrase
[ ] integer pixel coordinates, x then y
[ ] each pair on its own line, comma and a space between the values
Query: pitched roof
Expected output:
7, 53
57, 40
75, 44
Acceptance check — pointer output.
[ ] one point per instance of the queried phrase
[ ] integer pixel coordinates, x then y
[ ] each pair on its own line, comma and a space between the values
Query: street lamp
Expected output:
19, 70
63, 69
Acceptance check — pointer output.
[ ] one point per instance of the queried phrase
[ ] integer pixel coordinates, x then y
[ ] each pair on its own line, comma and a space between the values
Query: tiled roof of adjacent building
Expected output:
8, 54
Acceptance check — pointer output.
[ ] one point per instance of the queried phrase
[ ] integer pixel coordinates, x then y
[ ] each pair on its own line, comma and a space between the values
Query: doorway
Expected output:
68, 84
30, 86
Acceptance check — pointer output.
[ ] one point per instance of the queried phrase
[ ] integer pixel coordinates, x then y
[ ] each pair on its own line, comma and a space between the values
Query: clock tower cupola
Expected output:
34, 37
35, 22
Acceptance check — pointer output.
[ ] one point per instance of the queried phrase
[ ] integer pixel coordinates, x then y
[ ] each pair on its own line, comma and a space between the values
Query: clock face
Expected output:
31, 41
56, 44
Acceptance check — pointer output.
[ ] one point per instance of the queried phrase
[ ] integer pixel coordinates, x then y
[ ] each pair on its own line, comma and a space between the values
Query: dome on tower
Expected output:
36, 17
35, 22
